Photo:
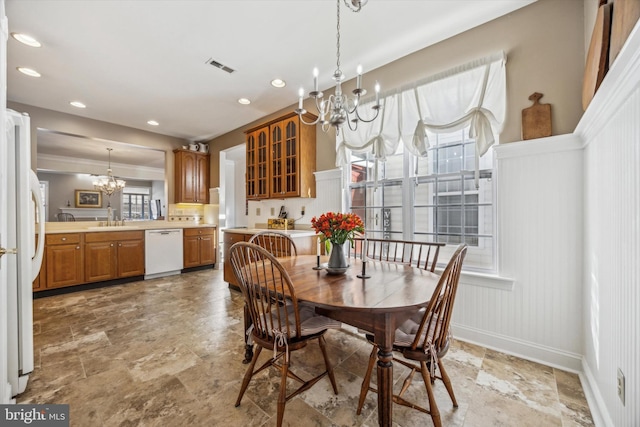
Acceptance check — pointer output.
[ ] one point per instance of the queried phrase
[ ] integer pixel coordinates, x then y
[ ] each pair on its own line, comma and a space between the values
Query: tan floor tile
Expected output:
223, 412
151, 401
490, 408
518, 379
171, 361
575, 410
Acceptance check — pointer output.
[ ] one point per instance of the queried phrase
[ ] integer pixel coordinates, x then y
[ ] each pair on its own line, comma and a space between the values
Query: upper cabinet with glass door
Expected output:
281, 159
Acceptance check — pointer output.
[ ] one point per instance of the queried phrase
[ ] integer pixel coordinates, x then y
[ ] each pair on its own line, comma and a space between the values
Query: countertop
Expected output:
94, 226
291, 233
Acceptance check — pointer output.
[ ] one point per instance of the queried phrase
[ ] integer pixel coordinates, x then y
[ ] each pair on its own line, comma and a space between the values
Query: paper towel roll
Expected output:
211, 213
214, 196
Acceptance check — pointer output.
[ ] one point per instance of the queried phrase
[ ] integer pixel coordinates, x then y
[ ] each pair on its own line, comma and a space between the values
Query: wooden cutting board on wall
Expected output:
625, 16
536, 120
598, 55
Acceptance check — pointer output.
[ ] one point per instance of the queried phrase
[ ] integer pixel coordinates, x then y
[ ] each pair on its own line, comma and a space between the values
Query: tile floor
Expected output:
168, 352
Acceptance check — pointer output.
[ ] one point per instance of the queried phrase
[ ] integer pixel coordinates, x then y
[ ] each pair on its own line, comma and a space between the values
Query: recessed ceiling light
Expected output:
26, 39
28, 71
244, 101
78, 104
278, 83
153, 123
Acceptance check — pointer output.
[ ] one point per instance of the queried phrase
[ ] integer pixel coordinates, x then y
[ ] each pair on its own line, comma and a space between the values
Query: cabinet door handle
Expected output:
112, 245
77, 247
120, 244
63, 239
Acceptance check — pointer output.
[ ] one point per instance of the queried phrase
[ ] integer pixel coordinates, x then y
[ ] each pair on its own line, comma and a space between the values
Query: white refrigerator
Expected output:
22, 200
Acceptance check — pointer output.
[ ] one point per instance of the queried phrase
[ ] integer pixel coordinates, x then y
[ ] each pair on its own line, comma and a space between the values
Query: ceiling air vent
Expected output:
219, 65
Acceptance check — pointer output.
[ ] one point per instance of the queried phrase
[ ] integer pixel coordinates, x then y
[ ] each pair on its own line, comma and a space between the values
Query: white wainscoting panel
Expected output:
611, 131
539, 206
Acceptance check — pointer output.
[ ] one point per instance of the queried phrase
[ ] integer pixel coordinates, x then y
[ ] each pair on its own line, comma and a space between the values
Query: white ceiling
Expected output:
132, 61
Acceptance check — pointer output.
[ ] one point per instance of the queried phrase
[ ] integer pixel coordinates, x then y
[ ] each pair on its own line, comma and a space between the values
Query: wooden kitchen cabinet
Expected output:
281, 159
229, 240
64, 260
257, 169
199, 246
113, 255
40, 280
191, 176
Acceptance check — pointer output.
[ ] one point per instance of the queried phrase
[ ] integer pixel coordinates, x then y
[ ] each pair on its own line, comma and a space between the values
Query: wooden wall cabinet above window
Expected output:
281, 159
191, 176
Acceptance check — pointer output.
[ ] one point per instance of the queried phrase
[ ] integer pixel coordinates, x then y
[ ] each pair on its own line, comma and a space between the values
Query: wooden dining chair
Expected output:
65, 217
277, 326
277, 243
425, 339
420, 254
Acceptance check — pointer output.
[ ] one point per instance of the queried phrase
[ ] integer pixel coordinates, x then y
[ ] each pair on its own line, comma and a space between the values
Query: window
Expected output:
446, 205
135, 203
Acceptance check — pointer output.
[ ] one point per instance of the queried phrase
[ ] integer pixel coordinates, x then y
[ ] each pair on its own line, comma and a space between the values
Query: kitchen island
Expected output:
80, 253
305, 240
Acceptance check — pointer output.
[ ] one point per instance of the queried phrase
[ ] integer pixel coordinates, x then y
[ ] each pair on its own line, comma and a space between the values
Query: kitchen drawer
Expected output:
198, 231
231, 238
112, 236
62, 238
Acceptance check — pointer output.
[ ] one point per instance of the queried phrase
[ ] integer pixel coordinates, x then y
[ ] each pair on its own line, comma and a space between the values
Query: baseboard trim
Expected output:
549, 356
599, 412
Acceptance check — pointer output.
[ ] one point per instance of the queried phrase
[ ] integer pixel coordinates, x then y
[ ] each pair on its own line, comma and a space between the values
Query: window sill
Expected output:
484, 280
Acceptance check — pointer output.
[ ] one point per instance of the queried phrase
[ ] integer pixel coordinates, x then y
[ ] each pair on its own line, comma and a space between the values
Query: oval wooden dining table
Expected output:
378, 304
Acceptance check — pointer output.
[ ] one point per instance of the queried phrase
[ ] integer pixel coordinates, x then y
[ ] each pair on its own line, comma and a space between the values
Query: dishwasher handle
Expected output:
164, 232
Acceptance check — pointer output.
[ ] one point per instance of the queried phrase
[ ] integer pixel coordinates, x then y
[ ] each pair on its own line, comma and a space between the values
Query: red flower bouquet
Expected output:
337, 227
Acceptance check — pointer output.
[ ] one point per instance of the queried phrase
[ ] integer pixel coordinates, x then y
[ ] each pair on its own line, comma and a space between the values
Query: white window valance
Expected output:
473, 95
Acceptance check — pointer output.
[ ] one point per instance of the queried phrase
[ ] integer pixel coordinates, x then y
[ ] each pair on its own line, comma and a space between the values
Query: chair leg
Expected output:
327, 364
282, 396
447, 383
248, 348
367, 379
433, 406
248, 374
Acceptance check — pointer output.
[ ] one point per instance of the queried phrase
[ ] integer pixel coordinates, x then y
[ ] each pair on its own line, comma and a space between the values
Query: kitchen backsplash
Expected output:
185, 212
328, 198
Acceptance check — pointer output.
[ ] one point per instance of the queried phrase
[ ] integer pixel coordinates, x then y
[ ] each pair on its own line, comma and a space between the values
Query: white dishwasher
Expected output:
162, 252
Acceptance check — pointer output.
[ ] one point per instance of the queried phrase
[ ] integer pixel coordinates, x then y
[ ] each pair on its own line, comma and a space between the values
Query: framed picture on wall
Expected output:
88, 199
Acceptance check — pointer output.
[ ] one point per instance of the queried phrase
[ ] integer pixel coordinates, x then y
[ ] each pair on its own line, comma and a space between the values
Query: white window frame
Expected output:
410, 180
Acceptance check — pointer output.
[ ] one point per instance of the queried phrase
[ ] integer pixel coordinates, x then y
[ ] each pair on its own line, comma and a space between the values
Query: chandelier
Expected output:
339, 107
108, 184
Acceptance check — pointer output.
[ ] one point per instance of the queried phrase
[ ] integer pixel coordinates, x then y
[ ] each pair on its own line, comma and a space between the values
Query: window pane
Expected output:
447, 206
135, 206
392, 168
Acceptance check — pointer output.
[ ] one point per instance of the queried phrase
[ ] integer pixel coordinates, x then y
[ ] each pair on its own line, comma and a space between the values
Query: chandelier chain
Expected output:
338, 38
338, 108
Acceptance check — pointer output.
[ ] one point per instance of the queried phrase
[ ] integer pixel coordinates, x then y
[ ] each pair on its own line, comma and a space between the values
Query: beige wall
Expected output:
544, 43
62, 122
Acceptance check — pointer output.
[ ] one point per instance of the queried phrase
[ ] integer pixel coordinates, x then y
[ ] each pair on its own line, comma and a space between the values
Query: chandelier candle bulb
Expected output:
377, 94
359, 78
301, 94
315, 79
